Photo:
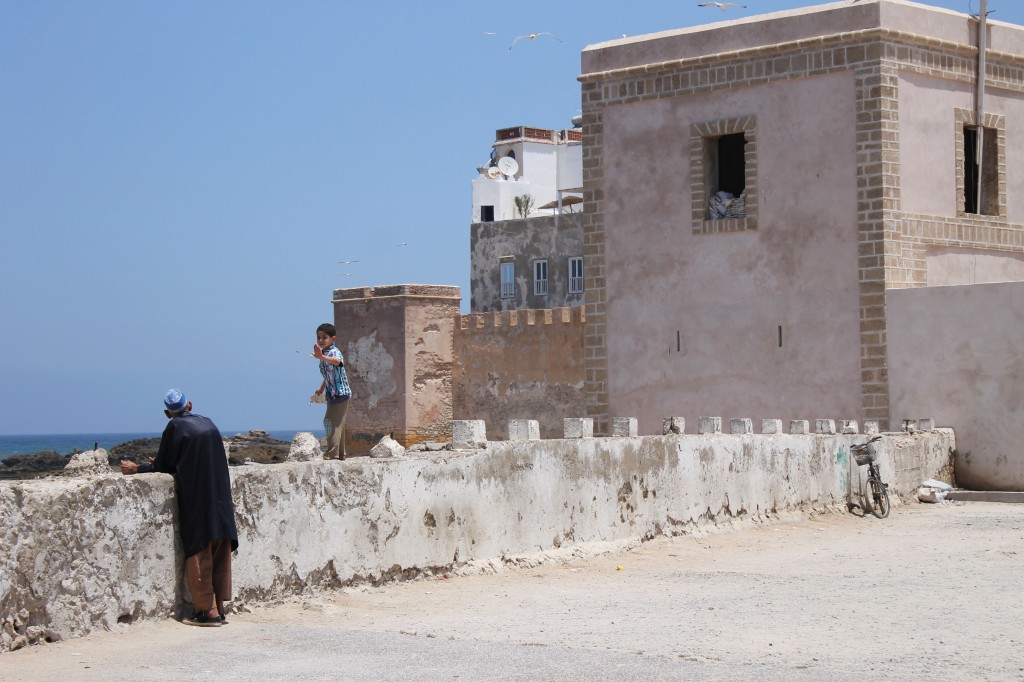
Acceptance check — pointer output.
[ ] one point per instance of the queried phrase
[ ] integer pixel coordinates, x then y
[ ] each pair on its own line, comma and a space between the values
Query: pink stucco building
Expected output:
846, 134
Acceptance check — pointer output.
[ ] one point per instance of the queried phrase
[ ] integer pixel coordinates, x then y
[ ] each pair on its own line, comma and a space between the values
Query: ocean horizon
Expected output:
67, 443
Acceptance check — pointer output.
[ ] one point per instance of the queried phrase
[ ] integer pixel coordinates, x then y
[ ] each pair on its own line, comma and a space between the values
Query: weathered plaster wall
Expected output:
525, 364
957, 354
85, 554
397, 343
556, 238
693, 325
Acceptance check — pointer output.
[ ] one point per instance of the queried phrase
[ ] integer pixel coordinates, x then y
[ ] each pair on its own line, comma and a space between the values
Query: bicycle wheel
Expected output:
878, 498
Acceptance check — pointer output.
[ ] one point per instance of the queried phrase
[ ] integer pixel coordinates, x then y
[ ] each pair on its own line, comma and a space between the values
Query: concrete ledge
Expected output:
523, 429
709, 425
985, 496
578, 427
624, 426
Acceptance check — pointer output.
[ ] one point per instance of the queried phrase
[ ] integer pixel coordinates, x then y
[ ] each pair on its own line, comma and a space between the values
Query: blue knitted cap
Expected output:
175, 400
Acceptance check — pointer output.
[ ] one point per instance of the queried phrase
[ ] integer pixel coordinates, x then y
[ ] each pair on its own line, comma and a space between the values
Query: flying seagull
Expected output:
720, 5
348, 262
532, 36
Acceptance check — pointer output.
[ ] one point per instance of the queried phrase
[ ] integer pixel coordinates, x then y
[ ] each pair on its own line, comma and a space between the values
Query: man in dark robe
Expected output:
192, 449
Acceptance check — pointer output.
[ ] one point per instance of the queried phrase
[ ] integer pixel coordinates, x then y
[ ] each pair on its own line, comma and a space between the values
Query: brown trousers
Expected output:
208, 575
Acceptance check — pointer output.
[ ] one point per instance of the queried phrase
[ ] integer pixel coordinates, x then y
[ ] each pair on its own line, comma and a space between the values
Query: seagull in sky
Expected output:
532, 36
720, 5
348, 262
403, 244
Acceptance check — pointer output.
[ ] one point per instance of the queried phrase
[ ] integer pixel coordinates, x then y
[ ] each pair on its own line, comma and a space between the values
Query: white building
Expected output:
545, 164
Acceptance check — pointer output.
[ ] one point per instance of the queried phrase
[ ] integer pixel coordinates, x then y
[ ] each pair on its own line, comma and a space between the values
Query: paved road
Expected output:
931, 592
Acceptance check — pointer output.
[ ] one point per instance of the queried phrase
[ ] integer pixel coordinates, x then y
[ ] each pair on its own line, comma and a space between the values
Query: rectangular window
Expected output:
540, 278
576, 275
508, 279
981, 182
726, 166
487, 214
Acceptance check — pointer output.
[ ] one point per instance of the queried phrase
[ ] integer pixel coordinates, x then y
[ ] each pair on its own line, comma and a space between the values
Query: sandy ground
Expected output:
934, 592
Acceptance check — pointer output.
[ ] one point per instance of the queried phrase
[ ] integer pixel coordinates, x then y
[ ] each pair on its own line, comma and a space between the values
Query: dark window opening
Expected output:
487, 214
732, 168
981, 197
512, 153
726, 176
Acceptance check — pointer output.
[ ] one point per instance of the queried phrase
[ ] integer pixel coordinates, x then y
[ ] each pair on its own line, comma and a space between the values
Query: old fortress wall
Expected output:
102, 550
520, 364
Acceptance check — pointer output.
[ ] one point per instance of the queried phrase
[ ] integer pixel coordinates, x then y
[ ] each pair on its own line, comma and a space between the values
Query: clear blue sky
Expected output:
179, 179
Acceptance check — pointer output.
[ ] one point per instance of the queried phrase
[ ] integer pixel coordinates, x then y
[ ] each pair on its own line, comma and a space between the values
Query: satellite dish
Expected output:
508, 166
493, 172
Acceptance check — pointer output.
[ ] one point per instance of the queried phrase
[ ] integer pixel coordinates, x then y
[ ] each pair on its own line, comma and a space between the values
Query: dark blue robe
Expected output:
192, 449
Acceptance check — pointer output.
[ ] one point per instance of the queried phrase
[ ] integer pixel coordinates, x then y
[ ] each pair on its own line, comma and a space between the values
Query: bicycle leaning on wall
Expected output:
877, 497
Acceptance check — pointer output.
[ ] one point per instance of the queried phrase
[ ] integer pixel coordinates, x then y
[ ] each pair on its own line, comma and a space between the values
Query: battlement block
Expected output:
871, 426
578, 427
825, 426
740, 426
771, 426
925, 424
848, 426
523, 429
709, 425
671, 425
469, 434
624, 426
909, 425
799, 426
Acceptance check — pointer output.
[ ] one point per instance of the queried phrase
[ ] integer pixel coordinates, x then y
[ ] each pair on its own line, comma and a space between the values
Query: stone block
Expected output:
738, 426
387, 447
709, 425
624, 426
671, 425
799, 426
523, 429
469, 434
871, 426
578, 427
89, 462
925, 424
825, 426
848, 426
771, 426
909, 425
305, 448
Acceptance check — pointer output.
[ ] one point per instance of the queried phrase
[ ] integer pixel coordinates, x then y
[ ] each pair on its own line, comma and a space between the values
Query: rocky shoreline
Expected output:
243, 448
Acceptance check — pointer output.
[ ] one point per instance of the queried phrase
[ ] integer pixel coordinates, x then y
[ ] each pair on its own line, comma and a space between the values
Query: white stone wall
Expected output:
85, 553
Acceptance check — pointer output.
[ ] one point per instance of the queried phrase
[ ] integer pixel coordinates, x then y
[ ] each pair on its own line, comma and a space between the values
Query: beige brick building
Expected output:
845, 135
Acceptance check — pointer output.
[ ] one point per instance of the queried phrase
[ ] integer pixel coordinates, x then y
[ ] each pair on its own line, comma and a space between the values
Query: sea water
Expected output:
66, 443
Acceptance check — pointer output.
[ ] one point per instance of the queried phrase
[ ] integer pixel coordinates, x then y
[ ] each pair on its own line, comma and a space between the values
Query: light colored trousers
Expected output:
334, 427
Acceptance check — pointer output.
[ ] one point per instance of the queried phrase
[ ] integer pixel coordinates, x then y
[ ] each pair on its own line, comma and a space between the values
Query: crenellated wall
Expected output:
87, 553
520, 364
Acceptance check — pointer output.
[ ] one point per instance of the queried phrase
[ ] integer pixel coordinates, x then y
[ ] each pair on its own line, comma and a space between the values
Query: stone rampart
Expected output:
520, 364
87, 553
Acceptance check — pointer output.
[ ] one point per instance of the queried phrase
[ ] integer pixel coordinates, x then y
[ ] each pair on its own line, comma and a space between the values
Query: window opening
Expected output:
508, 280
540, 277
487, 214
980, 198
576, 275
725, 157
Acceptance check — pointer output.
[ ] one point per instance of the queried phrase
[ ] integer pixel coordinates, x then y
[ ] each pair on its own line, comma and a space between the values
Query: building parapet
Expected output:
518, 318
372, 521
435, 291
